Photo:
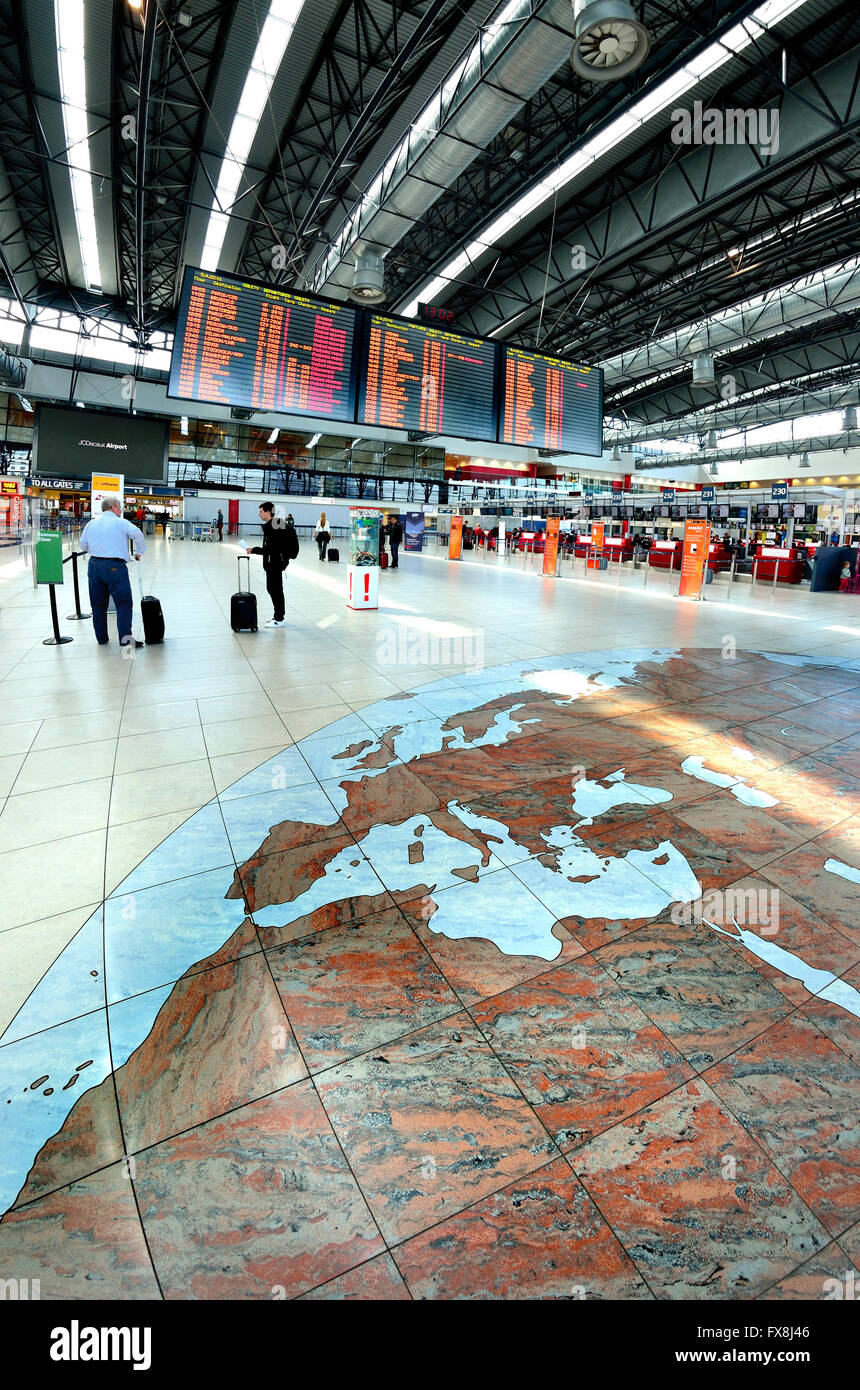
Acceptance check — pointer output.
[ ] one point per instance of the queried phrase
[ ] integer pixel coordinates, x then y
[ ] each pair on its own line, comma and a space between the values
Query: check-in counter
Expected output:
613, 546
789, 558
582, 545
532, 541
665, 555
719, 558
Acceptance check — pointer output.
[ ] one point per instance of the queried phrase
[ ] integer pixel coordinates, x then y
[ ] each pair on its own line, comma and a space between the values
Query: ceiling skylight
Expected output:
271, 46
69, 19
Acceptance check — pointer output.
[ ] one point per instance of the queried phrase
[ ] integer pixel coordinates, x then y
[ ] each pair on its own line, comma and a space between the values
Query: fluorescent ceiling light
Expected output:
739, 37
273, 436
80, 405
71, 66
26, 404
183, 424
274, 36
315, 440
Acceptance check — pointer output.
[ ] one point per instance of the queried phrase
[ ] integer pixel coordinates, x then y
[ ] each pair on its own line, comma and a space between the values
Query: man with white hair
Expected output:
105, 539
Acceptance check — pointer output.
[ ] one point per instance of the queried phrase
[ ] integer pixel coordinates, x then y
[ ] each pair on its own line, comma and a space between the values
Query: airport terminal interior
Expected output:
430, 651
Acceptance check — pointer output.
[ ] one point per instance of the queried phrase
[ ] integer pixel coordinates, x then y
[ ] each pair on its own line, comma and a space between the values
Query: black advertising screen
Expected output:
239, 343
548, 403
77, 443
418, 376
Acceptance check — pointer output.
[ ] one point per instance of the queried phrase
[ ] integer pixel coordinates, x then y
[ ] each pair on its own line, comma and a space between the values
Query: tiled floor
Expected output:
504, 942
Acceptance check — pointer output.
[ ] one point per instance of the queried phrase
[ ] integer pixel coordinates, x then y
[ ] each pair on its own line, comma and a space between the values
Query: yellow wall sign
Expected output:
107, 482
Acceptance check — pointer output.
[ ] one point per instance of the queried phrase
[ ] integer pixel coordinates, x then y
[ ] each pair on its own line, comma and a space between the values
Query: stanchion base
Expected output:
77, 618
56, 641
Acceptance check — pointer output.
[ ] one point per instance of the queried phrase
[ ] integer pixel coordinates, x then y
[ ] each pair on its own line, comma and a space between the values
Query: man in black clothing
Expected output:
395, 536
275, 560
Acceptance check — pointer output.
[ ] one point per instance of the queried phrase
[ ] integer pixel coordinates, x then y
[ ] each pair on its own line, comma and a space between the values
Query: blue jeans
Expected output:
108, 579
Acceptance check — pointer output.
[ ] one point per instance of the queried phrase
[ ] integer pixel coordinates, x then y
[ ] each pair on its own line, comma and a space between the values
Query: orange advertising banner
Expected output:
455, 540
597, 529
550, 550
694, 558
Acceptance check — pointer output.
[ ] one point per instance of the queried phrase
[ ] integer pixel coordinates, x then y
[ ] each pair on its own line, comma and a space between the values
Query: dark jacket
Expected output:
395, 533
273, 549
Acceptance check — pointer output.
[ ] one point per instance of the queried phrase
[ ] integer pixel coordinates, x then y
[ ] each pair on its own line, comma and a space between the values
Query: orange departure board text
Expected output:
420, 377
263, 348
551, 404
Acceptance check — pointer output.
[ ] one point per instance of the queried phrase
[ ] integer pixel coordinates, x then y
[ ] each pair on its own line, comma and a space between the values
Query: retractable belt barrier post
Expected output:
56, 640
731, 577
77, 616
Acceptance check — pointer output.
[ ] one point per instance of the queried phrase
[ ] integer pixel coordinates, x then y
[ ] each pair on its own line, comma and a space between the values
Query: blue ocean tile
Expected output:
386, 714
350, 728
35, 1094
500, 909
200, 844
73, 985
325, 756
154, 936
347, 875
387, 847
250, 818
131, 1022
286, 769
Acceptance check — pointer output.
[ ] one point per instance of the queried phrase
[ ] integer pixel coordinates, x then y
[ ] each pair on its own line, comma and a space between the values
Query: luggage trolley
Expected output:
202, 533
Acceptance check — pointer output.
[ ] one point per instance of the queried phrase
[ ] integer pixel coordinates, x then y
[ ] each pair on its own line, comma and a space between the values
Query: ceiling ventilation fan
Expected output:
610, 42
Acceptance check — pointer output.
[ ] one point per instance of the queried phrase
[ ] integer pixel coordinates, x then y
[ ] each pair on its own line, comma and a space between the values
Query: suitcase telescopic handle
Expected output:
247, 559
136, 564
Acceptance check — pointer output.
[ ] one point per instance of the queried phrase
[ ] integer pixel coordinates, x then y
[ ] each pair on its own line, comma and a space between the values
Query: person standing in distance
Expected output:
322, 535
219, 522
105, 539
279, 543
395, 536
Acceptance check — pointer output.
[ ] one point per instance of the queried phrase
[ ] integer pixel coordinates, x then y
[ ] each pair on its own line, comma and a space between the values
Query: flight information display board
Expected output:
548, 403
243, 344
417, 376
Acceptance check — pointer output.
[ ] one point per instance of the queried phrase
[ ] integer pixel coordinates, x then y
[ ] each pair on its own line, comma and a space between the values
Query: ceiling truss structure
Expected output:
369, 63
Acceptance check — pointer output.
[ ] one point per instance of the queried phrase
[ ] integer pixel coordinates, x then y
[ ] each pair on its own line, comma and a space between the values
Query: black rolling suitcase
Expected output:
334, 555
151, 613
243, 604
